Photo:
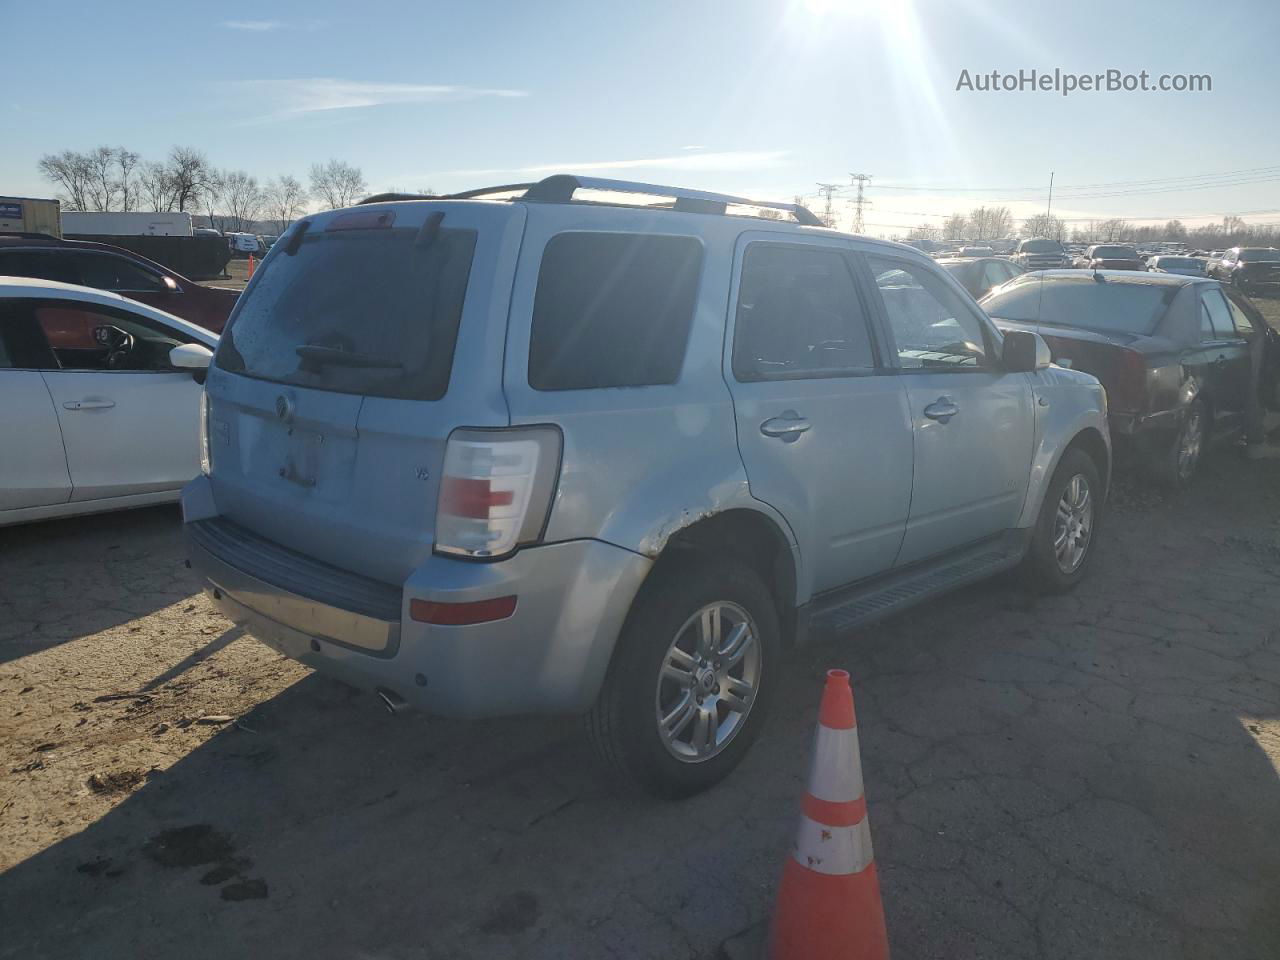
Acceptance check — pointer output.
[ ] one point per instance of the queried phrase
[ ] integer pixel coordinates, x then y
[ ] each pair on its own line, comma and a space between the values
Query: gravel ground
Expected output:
1087, 776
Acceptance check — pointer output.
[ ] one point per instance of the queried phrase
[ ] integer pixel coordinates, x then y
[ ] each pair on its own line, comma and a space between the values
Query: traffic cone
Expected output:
829, 901
251, 265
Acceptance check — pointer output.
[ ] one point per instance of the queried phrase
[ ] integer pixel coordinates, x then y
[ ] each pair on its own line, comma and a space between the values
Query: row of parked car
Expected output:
499, 456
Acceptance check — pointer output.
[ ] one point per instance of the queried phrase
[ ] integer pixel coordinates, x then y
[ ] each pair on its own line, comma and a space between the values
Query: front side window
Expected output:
69, 328
799, 316
932, 328
612, 310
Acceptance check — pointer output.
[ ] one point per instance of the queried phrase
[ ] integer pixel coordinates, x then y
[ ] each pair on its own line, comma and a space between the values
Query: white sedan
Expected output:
99, 401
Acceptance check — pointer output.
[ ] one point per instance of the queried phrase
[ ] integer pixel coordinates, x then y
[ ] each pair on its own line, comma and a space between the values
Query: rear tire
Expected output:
1173, 464
659, 670
1062, 546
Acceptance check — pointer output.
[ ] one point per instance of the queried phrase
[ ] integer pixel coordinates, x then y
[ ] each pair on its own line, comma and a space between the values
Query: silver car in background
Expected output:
590, 446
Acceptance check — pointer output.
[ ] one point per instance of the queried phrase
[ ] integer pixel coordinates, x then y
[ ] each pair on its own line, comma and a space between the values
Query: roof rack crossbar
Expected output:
561, 187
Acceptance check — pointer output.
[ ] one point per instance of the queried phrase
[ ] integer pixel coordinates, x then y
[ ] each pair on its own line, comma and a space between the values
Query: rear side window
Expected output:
799, 316
355, 311
612, 310
39, 265
108, 272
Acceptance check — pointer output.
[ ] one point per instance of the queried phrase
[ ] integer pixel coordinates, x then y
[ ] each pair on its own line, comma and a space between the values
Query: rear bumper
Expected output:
549, 656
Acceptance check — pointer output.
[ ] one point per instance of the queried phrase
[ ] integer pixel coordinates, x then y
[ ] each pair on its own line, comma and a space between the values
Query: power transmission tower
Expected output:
826, 190
860, 181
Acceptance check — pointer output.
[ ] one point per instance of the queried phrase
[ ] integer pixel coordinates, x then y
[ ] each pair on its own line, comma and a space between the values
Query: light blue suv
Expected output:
611, 448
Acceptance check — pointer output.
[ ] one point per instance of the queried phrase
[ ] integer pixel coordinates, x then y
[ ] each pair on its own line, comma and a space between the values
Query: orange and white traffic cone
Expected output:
251, 266
829, 904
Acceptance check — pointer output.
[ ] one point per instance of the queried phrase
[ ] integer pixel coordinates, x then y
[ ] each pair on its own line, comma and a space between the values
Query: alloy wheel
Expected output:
708, 682
1073, 524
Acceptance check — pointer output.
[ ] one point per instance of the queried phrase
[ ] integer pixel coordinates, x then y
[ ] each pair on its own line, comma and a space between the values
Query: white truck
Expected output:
111, 224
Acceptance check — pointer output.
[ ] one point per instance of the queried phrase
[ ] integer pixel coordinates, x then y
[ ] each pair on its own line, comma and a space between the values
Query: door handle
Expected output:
942, 410
787, 427
89, 404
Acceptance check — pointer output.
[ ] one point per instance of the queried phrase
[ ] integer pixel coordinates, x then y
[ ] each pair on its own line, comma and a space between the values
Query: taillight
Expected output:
496, 490
1129, 391
206, 459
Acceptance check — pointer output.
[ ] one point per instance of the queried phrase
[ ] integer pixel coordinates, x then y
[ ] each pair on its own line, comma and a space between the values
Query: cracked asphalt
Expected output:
1084, 776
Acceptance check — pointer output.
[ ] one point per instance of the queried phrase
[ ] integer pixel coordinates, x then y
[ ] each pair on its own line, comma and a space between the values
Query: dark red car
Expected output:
120, 271
1172, 351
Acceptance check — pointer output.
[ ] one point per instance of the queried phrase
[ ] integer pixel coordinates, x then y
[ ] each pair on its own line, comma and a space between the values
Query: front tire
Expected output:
1062, 545
691, 678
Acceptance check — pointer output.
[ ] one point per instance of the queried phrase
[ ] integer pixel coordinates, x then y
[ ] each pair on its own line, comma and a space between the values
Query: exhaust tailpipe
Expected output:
391, 700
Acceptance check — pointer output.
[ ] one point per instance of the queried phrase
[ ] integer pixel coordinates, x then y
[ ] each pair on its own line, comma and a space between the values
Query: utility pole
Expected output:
860, 181
825, 190
1050, 206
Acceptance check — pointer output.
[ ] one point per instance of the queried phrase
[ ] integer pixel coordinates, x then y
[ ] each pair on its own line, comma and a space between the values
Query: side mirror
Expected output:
191, 356
1025, 352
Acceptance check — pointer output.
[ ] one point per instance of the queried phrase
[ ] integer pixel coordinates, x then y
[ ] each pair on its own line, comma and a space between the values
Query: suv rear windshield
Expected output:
1115, 253
1112, 307
1039, 246
355, 311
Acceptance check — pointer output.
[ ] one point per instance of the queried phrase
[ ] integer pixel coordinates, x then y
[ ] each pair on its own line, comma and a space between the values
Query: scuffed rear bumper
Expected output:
550, 656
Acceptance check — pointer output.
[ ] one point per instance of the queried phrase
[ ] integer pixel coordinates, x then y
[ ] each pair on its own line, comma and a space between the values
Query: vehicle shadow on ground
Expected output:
1061, 777
66, 579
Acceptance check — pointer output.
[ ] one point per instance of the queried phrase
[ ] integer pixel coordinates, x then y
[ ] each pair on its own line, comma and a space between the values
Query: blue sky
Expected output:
764, 97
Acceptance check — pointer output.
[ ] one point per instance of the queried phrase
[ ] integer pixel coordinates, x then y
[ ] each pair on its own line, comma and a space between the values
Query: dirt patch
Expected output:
189, 846
117, 781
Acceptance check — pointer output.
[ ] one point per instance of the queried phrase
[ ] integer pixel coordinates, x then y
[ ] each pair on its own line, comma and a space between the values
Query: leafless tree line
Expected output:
986, 223
116, 178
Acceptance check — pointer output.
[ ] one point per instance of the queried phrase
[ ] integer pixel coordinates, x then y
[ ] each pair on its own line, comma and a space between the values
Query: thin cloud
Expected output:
253, 26
310, 95
721, 162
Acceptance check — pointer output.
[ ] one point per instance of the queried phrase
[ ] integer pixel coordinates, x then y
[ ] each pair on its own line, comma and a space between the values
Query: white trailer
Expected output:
126, 224
29, 215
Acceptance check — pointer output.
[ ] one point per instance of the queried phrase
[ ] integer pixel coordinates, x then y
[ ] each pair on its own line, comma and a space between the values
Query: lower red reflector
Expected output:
461, 614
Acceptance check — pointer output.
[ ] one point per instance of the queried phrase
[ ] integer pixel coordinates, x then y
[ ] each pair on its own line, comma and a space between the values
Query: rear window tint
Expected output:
355, 311
612, 310
1112, 305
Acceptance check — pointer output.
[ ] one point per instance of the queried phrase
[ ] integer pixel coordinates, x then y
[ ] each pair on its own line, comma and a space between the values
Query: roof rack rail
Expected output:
560, 188
464, 195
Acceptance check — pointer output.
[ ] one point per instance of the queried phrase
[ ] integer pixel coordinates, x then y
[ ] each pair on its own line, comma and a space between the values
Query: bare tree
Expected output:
70, 171
101, 163
987, 223
243, 198
189, 174
926, 231
1046, 225
128, 187
337, 184
211, 196
1113, 229
954, 226
156, 187
285, 201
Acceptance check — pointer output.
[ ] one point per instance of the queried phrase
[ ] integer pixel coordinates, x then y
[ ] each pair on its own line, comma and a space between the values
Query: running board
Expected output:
856, 606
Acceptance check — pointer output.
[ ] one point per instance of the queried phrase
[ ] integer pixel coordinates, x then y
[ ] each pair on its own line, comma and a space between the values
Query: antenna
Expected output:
826, 190
860, 180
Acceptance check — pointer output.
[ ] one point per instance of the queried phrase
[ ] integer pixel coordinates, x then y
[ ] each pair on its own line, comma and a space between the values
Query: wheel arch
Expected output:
748, 535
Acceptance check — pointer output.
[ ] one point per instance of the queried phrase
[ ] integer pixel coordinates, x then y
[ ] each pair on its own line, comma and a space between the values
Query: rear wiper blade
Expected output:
333, 357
